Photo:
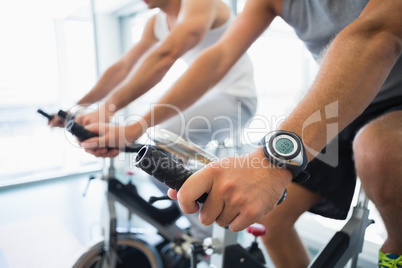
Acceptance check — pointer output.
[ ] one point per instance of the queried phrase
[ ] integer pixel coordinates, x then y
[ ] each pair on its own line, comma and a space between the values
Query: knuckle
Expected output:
213, 169
221, 223
227, 188
205, 221
250, 213
235, 227
238, 201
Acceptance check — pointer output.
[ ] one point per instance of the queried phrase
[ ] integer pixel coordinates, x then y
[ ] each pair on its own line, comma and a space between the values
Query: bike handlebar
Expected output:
48, 116
164, 168
82, 133
150, 159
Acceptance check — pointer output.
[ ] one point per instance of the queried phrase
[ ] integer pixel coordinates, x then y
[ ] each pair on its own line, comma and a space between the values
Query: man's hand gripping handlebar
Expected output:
82, 133
150, 159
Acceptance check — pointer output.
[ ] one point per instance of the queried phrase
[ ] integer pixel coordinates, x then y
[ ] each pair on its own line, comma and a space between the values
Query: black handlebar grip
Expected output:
133, 148
79, 131
164, 168
65, 115
48, 116
83, 134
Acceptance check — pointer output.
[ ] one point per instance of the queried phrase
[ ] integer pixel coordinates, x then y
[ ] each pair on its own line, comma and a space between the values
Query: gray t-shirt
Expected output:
317, 22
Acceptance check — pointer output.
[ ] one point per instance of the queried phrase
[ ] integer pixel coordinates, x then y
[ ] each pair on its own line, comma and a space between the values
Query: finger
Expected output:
87, 121
91, 143
194, 187
213, 207
60, 123
188, 207
226, 217
94, 128
241, 222
56, 121
172, 194
98, 152
103, 152
91, 151
112, 153
79, 119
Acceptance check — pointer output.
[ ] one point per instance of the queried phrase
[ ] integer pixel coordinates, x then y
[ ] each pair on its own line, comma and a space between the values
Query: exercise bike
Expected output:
177, 248
164, 160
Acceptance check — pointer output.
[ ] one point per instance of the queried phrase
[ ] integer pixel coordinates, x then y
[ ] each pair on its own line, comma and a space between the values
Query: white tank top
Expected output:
239, 81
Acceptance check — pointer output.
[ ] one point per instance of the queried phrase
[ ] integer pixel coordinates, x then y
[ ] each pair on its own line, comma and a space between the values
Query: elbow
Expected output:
218, 60
384, 36
163, 58
168, 55
169, 58
388, 43
174, 49
118, 69
122, 67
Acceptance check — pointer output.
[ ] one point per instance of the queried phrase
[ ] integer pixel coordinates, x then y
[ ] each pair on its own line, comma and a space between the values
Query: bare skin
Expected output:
281, 240
146, 63
381, 172
356, 64
346, 70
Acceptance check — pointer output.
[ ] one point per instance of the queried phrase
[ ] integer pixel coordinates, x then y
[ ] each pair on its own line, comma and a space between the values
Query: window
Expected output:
283, 71
48, 62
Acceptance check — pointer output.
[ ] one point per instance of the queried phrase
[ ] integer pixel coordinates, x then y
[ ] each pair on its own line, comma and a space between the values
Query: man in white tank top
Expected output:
181, 29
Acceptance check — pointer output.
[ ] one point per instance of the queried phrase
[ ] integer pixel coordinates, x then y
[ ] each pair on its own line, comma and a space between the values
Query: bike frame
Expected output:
346, 244
222, 246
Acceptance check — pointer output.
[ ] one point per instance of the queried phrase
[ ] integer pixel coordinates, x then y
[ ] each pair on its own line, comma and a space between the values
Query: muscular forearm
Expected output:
355, 67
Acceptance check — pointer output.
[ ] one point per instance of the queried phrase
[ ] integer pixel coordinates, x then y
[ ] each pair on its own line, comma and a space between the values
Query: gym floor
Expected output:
45, 224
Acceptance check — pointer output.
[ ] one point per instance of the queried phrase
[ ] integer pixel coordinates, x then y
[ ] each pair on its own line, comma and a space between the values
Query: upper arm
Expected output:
197, 18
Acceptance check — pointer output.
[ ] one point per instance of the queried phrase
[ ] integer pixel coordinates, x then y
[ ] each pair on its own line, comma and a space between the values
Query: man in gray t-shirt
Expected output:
358, 88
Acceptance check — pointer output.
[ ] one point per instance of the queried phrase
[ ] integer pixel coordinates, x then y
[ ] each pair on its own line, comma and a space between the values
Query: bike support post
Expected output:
348, 243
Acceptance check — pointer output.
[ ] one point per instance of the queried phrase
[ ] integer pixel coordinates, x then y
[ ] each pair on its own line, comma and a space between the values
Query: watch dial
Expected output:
284, 146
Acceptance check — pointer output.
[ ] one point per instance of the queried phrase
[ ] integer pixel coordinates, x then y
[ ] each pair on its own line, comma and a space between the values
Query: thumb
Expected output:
92, 143
95, 142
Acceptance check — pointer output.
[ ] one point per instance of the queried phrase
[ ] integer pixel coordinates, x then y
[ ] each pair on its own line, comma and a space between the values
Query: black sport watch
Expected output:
285, 149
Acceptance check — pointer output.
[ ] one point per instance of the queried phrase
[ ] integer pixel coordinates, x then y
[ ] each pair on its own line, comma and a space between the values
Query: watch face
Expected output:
285, 146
